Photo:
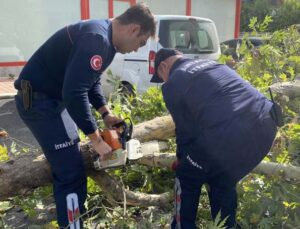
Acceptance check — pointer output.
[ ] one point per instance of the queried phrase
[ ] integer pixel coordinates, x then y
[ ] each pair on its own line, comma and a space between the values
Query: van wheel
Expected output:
127, 89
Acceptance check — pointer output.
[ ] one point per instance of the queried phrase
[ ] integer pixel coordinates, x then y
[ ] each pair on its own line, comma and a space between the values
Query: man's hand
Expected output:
175, 165
110, 120
103, 149
100, 146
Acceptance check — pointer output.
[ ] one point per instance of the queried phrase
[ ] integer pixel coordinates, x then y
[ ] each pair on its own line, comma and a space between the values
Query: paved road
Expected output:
14, 126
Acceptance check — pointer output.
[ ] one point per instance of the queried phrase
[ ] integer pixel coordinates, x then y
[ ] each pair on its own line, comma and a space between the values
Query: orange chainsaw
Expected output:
123, 147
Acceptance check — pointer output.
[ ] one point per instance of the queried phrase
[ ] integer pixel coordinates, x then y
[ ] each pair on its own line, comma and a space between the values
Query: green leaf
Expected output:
5, 206
3, 153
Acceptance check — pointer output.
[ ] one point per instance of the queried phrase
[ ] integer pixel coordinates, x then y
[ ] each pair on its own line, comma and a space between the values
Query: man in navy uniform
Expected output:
56, 87
224, 128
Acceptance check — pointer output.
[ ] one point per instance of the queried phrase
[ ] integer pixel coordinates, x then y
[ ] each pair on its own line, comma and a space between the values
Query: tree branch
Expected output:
290, 89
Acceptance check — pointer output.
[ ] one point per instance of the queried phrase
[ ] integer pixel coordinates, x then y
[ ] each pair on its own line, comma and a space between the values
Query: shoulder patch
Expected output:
96, 62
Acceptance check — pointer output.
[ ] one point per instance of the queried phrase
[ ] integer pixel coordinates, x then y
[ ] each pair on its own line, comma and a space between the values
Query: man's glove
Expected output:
174, 165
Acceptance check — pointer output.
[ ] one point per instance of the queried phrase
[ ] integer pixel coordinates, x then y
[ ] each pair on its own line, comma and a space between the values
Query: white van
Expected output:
195, 37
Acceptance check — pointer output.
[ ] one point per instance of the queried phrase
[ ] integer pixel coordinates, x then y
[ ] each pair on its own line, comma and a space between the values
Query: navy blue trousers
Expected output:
58, 137
222, 196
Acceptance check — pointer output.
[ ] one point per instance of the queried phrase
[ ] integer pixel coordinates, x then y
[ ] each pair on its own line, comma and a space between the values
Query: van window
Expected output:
188, 36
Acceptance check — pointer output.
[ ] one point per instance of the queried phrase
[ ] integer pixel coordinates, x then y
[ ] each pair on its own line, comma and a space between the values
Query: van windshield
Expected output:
188, 36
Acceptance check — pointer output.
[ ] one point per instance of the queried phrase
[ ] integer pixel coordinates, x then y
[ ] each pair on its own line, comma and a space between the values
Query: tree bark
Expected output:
160, 128
290, 89
271, 169
21, 175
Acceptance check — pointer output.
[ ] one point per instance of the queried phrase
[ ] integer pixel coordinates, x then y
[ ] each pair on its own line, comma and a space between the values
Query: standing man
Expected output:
56, 87
224, 128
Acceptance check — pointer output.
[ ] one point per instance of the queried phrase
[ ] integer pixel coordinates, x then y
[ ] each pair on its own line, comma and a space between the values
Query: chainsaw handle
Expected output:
127, 131
119, 124
126, 134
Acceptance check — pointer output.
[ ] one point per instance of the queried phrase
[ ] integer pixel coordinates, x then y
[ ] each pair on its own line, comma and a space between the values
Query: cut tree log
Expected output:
28, 171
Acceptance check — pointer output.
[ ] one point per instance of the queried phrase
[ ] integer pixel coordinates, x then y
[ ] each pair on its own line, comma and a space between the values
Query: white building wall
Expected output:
120, 7
222, 12
166, 6
26, 24
98, 9
32, 22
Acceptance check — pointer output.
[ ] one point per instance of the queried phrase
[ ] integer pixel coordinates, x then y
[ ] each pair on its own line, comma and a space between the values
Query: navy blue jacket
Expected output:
67, 67
217, 115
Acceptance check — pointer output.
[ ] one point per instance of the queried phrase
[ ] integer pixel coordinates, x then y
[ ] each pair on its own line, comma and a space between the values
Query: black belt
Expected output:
35, 95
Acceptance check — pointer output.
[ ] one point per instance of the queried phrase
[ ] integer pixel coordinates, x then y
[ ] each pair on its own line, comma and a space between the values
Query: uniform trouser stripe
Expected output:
73, 211
177, 203
69, 124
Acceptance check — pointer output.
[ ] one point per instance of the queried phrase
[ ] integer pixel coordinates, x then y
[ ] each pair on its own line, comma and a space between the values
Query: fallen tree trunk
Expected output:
22, 174
28, 171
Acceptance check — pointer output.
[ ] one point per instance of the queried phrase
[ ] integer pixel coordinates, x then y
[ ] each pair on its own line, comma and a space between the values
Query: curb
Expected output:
7, 95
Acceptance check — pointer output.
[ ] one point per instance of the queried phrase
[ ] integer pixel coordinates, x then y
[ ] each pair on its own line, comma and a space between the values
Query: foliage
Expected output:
283, 16
139, 108
278, 199
217, 223
3, 153
33, 201
286, 15
291, 136
259, 27
150, 105
277, 60
258, 9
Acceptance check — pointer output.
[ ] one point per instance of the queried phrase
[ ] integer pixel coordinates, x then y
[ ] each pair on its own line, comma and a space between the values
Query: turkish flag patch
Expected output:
96, 62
